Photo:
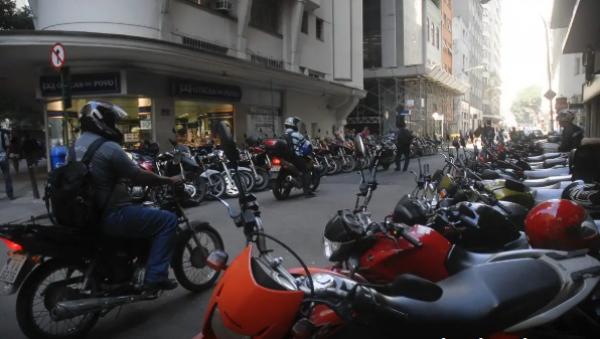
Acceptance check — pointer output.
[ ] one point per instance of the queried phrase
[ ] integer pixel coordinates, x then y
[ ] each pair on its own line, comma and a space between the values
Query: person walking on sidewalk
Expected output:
14, 152
4, 166
31, 151
403, 141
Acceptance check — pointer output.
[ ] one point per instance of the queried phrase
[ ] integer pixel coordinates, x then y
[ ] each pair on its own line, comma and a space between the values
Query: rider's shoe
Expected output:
164, 285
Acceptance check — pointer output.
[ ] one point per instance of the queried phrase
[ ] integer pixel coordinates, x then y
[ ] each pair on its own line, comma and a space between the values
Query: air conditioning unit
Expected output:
223, 5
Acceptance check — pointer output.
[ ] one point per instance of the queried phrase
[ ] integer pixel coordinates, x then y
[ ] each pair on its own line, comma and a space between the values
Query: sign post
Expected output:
58, 58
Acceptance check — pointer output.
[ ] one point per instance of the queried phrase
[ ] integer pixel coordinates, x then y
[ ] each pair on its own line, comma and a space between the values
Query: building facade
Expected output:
404, 68
491, 43
187, 63
577, 65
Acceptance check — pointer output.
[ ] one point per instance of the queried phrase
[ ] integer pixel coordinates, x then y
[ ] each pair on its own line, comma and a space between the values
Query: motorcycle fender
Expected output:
9, 289
208, 173
244, 169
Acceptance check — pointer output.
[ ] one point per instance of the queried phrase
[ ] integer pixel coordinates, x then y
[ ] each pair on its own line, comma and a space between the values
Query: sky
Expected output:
523, 47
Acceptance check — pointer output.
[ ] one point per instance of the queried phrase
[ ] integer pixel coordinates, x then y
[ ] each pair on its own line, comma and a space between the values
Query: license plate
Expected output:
11, 270
275, 168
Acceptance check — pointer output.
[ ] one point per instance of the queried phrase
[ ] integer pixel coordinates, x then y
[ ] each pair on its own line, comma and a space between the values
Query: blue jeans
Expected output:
7, 179
135, 221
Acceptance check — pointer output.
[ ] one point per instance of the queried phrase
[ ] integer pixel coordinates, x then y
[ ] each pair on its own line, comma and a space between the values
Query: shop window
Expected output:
194, 120
265, 15
304, 28
320, 26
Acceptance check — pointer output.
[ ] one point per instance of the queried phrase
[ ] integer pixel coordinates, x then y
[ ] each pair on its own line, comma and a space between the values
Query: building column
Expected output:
244, 10
291, 33
163, 121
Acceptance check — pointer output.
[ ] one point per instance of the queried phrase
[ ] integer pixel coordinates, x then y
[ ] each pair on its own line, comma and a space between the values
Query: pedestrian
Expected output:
488, 134
403, 140
572, 134
31, 151
14, 152
4, 166
472, 136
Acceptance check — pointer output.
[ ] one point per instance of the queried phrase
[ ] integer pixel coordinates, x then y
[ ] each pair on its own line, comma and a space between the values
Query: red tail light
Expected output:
276, 161
12, 246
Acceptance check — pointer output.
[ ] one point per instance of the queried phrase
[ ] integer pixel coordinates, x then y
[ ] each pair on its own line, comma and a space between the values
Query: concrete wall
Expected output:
570, 77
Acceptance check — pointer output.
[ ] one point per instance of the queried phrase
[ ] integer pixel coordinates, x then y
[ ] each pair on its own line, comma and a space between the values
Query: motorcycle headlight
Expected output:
330, 247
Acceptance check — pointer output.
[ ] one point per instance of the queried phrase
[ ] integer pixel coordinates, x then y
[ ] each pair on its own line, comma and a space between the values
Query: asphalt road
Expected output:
299, 222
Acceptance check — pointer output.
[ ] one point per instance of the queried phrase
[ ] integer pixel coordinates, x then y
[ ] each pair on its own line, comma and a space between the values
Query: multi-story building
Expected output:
568, 70
491, 43
447, 35
575, 24
187, 63
404, 67
470, 15
460, 65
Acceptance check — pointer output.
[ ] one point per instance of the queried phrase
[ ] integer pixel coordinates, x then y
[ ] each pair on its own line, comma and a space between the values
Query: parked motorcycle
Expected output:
258, 297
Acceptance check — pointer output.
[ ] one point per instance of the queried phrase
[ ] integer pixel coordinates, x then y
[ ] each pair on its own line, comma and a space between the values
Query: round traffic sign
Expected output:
57, 56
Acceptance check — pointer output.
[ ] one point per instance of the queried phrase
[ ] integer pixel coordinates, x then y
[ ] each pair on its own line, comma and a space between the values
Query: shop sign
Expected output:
257, 110
198, 89
146, 124
82, 84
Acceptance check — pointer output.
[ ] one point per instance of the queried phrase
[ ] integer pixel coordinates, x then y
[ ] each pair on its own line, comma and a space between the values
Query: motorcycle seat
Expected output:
556, 161
545, 156
460, 259
543, 194
546, 181
544, 173
482, 299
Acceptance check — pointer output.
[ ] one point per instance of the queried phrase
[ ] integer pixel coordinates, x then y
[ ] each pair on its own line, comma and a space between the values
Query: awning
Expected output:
584, 27
562, 11
446, 80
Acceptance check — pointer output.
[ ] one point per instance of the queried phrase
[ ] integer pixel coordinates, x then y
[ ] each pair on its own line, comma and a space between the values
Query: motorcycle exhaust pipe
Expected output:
72, 308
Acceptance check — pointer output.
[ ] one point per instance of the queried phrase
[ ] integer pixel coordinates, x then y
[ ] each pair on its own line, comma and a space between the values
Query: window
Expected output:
428, 32
432, 33
265, 15
577, 65
319, 25
304, 28
437, 37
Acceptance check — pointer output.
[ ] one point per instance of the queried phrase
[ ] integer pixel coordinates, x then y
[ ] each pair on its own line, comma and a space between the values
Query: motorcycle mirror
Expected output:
359, 145
228, 144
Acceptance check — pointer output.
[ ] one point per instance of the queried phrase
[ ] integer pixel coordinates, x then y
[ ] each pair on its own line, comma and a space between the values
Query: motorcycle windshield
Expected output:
246, 307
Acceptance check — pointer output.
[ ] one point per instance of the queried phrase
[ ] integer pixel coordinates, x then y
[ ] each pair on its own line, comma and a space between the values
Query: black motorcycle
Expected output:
68, 278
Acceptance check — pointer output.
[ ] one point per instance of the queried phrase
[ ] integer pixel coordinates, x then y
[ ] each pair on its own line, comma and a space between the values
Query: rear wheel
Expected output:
281, 189
216, 185
53, 281
189, 257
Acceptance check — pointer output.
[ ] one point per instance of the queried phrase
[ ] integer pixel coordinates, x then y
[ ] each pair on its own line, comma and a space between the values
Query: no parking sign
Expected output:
57, 56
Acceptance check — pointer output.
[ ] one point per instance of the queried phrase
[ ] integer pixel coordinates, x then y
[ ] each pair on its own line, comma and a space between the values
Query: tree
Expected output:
527, 104
12, 17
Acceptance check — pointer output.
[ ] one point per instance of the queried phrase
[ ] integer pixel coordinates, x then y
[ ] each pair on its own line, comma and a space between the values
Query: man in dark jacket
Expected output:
572, 134
488, 134
403, 140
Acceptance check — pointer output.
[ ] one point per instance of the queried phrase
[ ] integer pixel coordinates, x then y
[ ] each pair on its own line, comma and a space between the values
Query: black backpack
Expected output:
70, 195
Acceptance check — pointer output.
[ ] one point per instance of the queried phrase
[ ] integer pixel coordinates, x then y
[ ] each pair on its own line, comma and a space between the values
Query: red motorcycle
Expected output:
257, 297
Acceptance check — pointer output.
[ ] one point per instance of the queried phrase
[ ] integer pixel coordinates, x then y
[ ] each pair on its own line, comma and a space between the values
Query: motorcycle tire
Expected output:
26, 315
248, 180
338, 165
350, 165
201, 187
385, 166
281, 190
332, 168
264, 180
216, 187
315, 181
189, 258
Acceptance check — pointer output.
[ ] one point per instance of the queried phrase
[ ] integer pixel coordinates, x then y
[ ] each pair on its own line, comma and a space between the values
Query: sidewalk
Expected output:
24, 206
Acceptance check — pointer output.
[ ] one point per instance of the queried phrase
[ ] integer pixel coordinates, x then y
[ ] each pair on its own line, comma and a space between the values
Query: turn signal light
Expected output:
12, 246
276, 162
217, 260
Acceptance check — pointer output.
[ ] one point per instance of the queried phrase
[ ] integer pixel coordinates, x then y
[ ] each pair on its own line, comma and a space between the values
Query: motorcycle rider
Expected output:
571, 134
109, 166
299, 143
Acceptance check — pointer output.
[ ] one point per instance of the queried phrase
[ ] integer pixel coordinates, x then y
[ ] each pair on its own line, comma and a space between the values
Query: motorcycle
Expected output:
258, 297
284, 175
68, 278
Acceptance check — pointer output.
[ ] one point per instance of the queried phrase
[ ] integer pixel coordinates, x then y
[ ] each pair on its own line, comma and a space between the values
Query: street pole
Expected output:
549, 71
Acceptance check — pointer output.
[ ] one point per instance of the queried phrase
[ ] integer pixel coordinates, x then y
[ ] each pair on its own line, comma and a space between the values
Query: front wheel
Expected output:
189, 257
52, 282
263, 179
349, 166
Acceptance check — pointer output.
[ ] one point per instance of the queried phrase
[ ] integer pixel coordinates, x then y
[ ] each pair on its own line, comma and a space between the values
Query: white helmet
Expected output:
292, 122
566, 116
